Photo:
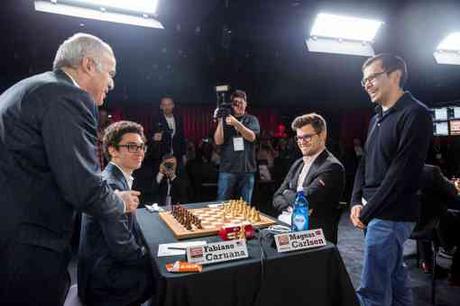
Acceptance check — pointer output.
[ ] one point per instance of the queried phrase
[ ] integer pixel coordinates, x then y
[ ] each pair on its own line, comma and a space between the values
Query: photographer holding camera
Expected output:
170, 187
236, 133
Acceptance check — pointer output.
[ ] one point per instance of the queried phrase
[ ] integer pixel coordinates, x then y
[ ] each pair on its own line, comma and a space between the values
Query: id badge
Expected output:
238, 144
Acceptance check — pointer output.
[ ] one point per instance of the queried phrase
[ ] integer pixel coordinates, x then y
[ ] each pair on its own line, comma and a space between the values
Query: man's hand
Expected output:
130, 199
354, 216
457, 185
230, 120
163, 169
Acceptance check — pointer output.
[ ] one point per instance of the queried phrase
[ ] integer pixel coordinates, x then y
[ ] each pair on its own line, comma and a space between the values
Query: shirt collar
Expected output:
402, 102
72, 79
310, 159
129, 178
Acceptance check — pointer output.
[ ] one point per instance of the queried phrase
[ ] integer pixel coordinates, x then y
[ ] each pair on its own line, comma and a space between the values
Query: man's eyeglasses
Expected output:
372, 78
134, 148
306, 137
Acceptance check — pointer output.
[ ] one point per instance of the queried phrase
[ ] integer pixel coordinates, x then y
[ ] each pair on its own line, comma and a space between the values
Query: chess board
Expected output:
211, 220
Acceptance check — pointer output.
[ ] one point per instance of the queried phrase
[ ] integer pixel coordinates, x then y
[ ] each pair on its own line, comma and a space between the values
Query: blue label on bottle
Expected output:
300, 222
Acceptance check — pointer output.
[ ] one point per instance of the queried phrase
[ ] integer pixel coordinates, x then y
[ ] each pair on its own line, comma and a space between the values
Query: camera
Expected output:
169, 165
224, 107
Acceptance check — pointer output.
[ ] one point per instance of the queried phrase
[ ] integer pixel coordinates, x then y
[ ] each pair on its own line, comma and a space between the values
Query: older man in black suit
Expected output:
49, 170
113, 266
318, 173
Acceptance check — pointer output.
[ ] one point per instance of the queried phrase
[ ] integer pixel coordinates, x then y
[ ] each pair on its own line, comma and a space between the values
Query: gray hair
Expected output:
72, 51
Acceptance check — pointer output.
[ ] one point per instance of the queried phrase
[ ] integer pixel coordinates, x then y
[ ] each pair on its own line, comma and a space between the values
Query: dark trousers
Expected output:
120, 285
33, 275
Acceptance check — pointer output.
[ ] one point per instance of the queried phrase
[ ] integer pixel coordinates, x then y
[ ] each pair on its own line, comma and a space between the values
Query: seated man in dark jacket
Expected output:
170, 188
113, 265
318, 173
438, 194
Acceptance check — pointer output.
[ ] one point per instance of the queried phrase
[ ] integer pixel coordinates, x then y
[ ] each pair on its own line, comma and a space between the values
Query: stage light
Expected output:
343, 35
448, 51
134, 12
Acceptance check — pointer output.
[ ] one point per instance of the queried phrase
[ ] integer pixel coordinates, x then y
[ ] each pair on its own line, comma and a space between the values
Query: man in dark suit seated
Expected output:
318, 173
113, 265
170, 187
438, 194
49, 170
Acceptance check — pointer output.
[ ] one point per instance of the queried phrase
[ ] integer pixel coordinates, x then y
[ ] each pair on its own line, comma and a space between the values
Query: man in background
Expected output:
169, 186
168, 134
236, 134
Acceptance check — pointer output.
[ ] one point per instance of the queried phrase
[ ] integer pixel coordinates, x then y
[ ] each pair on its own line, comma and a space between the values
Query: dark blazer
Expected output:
436, 193
177, 142
111, 249
179, 191
323, 187
48, 171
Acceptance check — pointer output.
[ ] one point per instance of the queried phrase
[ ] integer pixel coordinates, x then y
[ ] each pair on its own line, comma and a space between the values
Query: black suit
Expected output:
48, 170
112, 266
323, 187
176, 143
436, 193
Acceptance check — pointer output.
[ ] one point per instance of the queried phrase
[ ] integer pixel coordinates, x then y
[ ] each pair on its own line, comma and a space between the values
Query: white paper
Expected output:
215, 205
238, 144
285, 217
164, 249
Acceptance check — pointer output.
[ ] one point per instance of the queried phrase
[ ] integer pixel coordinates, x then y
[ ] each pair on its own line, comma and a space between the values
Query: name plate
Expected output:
300, 240
217, 252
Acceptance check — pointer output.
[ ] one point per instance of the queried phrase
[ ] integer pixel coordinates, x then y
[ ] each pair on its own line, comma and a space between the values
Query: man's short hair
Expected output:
167, 97
390, 63
114, 133
239, 94
72, 51
167, 156
317, 122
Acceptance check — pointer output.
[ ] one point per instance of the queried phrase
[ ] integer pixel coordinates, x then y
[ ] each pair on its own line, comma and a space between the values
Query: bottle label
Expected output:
300, 222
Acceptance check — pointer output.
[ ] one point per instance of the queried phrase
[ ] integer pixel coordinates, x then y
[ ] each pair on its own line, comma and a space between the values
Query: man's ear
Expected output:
113, 152
87, 65
397, 76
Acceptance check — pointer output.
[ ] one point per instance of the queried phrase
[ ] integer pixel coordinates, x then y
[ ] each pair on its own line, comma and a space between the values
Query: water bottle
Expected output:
299, 221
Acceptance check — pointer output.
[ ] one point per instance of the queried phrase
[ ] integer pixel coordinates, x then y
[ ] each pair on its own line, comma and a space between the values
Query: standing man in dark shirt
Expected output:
384, 200
169, 132
237, 136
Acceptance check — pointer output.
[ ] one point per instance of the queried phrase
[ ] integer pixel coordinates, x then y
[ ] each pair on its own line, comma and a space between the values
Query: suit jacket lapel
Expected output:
119, 176
314, 167
295, 178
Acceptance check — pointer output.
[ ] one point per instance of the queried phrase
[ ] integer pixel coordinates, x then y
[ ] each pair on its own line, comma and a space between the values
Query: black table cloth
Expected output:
309, 277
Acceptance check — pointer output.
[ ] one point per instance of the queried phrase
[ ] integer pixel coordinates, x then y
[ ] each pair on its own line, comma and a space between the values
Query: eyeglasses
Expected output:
134, 148
306, 137
372, 78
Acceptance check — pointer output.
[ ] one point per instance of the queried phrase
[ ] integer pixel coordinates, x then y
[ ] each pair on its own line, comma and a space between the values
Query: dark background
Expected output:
257, 45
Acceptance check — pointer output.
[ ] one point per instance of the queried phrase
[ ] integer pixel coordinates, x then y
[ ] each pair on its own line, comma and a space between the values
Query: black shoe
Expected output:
454, 280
